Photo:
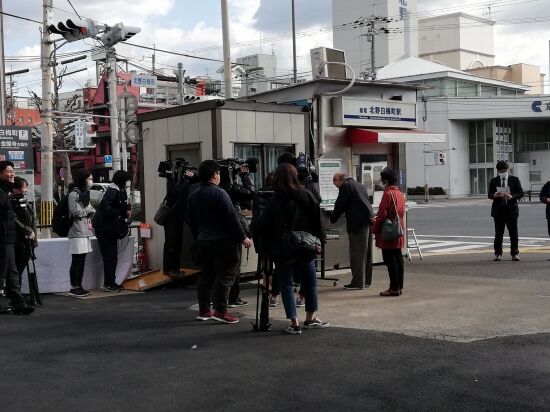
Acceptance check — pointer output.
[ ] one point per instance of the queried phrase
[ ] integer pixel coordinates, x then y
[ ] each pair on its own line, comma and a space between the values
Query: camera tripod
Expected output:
265, 267
34, 293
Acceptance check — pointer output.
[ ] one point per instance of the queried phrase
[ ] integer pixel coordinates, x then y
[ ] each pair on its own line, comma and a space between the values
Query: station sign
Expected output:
350, 111
144, 80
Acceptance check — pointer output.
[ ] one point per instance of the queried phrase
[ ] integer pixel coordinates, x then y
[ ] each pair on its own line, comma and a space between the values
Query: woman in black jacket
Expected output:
545, 198
111, 225
292, 209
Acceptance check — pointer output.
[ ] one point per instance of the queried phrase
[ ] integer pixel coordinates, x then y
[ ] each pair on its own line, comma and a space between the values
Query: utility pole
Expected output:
113, 109
123, 132
46, 144
294, 66
226, 52
180, 82
154, 74
2, 71
373, 29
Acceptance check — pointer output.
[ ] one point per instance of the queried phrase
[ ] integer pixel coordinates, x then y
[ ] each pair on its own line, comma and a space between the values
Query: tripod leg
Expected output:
265, 325
256, 325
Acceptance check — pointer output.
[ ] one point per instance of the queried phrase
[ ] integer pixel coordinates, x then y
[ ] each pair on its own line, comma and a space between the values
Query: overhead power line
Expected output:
20, 17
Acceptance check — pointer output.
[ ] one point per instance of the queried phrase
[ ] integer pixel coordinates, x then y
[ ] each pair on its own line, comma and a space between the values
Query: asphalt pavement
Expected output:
469, 334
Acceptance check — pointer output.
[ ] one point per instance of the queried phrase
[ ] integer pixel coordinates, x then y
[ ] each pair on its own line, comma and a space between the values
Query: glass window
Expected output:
535, 177
482, 181
267, 156
488, 91
473, 181
466, 89
436, 91
507, 92
489, 139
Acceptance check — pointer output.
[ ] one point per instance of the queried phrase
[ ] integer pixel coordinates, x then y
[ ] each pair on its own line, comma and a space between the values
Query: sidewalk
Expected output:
437, 306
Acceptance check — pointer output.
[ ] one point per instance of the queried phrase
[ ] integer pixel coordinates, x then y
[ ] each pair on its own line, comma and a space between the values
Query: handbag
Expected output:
392, 230
161, 217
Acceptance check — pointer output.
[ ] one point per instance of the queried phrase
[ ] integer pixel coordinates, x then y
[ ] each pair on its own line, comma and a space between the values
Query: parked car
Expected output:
96, 193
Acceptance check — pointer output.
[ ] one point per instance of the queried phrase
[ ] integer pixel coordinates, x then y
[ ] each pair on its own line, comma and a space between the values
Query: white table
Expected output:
53, 261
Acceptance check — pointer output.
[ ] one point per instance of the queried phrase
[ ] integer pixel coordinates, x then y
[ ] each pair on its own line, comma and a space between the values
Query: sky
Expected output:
522, 32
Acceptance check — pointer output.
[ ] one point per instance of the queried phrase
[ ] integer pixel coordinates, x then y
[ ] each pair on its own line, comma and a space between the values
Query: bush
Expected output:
419, 190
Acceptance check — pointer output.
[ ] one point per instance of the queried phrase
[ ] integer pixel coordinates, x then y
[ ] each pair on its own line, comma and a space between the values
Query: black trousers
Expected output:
173, 242
108, 247
8, 271
22, 256
512, 224
220, 262
77, 269
548, 226
393, 259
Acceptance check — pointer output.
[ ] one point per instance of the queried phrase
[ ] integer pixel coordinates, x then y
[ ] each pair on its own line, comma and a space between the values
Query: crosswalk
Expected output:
447, 244
458, 203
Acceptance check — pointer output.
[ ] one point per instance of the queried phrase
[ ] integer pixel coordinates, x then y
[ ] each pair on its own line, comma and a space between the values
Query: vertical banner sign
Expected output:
329, 192
16, 146
80, 134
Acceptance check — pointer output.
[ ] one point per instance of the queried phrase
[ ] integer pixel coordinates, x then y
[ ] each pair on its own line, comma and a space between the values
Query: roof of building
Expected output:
459, 14
414, 69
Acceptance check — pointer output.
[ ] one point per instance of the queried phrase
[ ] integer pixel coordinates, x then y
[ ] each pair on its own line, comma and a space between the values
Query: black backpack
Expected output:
62, 219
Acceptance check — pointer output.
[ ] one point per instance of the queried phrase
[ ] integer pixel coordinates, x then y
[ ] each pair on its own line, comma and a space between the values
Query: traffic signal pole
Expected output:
46, 144
113, 109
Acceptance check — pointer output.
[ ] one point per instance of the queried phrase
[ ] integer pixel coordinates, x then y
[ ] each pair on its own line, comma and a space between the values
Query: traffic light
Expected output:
441, 158
91, 134
73, 30
117, 33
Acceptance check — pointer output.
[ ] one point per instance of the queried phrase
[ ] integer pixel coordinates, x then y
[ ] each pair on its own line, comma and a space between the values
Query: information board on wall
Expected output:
329, 192
16, 146
352, 111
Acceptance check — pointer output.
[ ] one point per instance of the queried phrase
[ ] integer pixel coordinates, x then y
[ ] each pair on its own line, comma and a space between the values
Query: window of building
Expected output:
481, 141
535, 176
267, 155
466, 89
507, 92
488, 91
30, 119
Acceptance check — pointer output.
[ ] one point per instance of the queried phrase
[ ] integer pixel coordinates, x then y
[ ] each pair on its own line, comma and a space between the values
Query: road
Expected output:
468, 334
464, 226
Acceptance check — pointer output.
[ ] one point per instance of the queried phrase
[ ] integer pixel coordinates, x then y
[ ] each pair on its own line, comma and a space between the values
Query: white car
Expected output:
96, 193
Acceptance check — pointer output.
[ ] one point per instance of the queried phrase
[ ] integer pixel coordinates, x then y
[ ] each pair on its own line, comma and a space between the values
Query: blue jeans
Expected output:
308, 276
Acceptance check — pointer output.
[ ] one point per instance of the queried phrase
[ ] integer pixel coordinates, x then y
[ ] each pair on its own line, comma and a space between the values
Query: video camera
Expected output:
177, 170
305, 167
230, 169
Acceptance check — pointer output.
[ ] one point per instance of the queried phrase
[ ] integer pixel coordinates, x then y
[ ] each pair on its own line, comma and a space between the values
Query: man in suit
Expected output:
505, 190
545, 198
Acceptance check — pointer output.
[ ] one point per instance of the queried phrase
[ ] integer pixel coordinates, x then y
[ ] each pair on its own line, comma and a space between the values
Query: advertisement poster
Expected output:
16, 146
329, 192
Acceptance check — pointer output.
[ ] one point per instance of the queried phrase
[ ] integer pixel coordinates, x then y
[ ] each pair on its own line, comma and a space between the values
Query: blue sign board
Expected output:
108, 161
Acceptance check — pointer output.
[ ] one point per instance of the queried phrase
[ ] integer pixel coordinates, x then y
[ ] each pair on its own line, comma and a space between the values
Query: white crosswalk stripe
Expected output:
448, 244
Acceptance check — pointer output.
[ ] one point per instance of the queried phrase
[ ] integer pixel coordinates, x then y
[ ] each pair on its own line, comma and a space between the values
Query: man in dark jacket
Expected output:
353, 200
176, 198
505, 190
545, 198
8, 269
219, 235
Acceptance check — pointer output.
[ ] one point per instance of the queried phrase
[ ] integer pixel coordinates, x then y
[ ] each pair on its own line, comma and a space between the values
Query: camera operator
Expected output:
8, 269
177, 193
25, 225
219, 235
242, 196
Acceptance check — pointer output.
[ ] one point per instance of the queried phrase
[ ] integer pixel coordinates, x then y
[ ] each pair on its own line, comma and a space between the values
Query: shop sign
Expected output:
144, 80
538, 106
329, 192
349, 111
16, 146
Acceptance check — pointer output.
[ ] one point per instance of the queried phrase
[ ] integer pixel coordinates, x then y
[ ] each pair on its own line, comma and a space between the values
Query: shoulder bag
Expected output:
392, 230
161, 217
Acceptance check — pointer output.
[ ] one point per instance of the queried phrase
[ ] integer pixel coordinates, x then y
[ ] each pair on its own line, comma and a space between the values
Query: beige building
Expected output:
526, 74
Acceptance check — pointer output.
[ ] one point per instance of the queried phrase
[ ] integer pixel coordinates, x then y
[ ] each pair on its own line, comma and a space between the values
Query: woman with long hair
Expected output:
293, 208
80, 233
392, 204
